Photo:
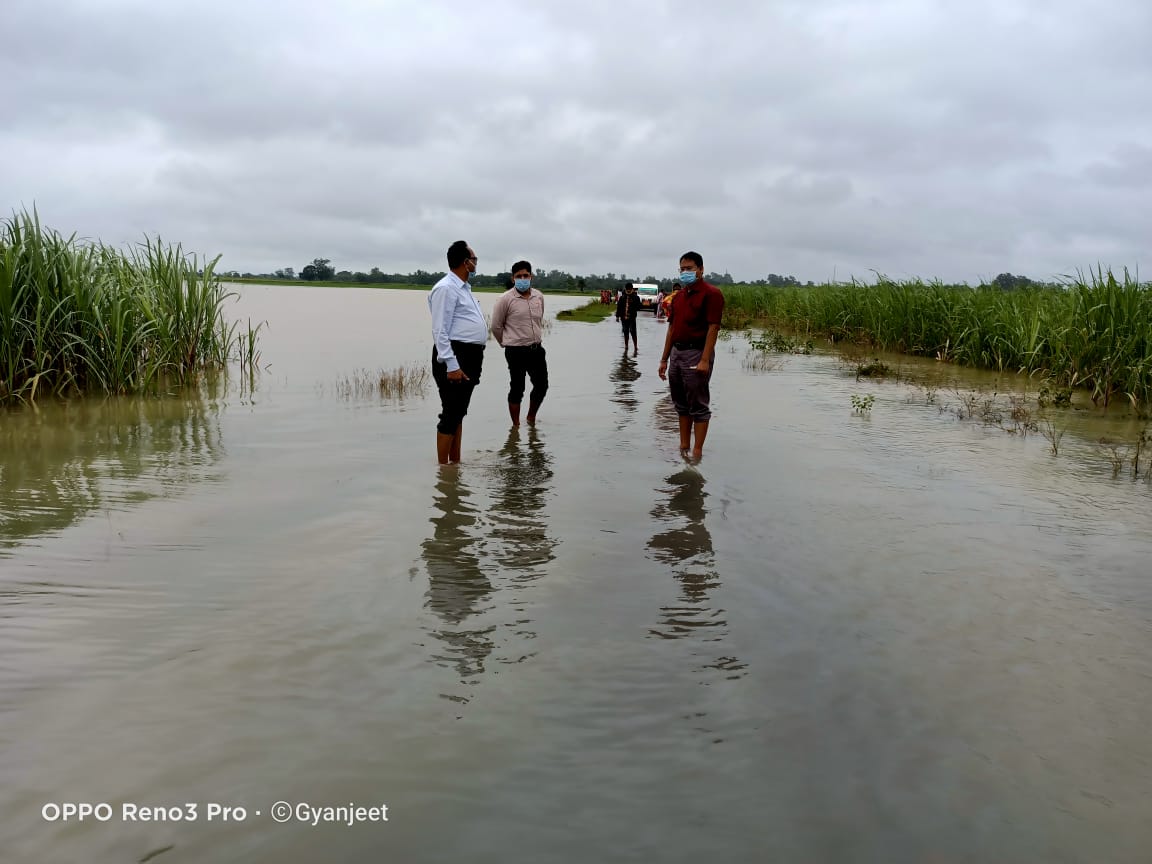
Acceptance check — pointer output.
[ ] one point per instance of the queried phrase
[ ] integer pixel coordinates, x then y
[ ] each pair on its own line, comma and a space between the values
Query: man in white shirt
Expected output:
518, 325
459, 333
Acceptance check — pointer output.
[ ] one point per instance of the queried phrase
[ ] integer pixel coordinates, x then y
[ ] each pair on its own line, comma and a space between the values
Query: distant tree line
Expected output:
321, 270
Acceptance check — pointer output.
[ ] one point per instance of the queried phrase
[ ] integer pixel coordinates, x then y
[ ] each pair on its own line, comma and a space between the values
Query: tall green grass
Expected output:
1094, 331
81, 317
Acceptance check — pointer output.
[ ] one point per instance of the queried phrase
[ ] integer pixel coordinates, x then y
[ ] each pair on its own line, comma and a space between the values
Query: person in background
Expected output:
518, 325
694, 317
627, 308
459, 333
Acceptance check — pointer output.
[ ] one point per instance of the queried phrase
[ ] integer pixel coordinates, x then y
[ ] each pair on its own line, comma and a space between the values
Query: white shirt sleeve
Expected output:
442, 302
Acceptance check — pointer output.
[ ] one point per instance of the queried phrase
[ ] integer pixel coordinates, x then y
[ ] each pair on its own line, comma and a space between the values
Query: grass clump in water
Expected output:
590, 312
766, 349
81, 317
1093, 331
781, 343
395, 384
874, 368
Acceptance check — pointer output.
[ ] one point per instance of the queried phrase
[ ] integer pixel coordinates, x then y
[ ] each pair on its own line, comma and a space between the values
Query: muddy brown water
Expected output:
899, 637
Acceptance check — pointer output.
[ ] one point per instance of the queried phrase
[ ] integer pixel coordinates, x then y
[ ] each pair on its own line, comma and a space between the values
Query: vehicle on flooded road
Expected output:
649, 294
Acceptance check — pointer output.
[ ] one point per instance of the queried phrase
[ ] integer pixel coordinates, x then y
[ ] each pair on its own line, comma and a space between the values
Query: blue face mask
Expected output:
522, 285
688, 277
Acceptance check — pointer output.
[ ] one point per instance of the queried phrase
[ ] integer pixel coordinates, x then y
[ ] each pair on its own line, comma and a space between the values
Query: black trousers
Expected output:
527, 360
629, 325
455, 396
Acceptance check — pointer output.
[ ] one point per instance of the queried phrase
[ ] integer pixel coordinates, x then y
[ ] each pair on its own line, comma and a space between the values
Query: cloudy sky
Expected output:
935, 138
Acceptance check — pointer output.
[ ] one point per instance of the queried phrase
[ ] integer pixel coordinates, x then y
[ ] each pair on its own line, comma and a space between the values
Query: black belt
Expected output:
692, 344
533, 345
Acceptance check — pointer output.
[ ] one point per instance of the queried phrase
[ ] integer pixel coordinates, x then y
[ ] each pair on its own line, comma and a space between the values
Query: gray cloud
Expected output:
904, 136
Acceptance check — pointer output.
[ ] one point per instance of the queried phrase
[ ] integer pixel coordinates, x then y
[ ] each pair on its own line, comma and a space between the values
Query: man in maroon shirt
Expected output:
690, 349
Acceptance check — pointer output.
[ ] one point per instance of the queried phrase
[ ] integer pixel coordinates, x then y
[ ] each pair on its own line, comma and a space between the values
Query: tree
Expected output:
777, 281
320, 270
1008, 282
285, 273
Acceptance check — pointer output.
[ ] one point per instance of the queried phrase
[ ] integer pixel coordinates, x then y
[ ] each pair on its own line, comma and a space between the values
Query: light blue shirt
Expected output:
455, 315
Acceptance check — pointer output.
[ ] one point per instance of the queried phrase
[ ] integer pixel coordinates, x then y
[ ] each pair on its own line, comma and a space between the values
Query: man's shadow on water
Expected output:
457, 584
686, 546
624, 372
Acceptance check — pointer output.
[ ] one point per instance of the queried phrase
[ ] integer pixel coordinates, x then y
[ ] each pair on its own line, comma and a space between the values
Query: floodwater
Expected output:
897, 637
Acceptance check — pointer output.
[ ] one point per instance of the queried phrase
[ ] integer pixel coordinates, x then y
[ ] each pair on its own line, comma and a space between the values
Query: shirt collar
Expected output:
458, 282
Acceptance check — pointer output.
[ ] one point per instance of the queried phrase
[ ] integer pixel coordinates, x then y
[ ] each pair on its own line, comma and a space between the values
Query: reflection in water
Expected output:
524, 484
686, 546
477, 542
63, 461
623, 373
665, 419
457, 584
523, 544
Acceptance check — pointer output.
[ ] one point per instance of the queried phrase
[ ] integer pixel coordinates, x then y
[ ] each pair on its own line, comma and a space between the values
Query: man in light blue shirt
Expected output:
459, 333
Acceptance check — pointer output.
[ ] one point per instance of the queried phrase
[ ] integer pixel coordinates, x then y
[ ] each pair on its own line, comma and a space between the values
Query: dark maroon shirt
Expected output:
693, 309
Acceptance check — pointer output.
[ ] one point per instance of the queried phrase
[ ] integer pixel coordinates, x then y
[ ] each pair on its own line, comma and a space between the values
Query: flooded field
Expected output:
890, 637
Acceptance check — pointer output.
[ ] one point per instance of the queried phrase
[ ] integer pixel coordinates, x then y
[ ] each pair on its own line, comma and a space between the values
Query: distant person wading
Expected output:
627, 308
